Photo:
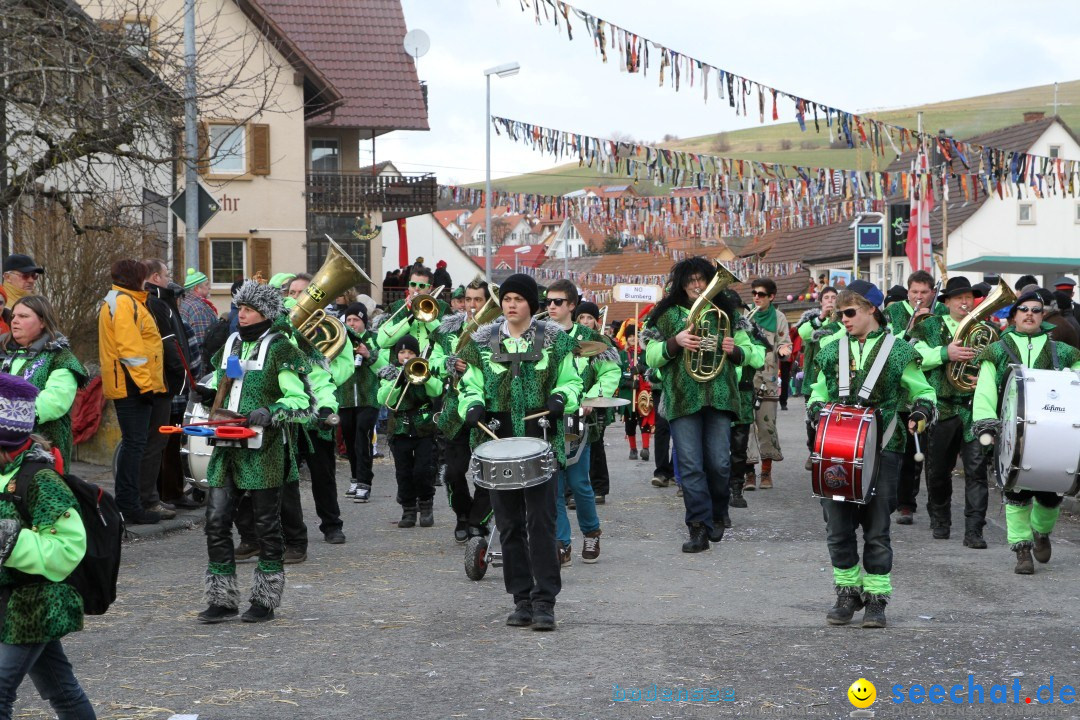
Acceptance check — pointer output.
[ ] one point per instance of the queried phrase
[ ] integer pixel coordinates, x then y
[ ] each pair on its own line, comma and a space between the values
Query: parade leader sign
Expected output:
625, 292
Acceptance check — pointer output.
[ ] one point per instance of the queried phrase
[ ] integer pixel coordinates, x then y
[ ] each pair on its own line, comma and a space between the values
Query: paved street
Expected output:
389, 626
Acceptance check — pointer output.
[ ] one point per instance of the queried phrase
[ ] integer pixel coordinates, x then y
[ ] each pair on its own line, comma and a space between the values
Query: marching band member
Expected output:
951, 436
399, 320
412, 439
900, 382
358, 403
473, 510
588, 314
902, 316
457, 300
633, 382
271, 393
740, 426
699, 413
1030, 516
817, 327
518, 366
599, 378
774, 326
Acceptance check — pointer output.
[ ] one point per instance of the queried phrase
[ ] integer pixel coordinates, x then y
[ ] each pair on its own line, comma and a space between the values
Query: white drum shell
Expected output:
1038, 447
512, 463
195, 448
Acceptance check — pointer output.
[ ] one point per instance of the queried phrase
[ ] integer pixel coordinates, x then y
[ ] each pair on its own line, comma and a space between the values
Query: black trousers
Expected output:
740, 441
661, 440
526, 522
265, 522
910, 471
785, 382
475, 508
946, 443
357, 425
293, 527
414, 467
322, 463
598, 469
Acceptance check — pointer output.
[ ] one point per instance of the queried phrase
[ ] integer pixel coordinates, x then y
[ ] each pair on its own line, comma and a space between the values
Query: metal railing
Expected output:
357, 192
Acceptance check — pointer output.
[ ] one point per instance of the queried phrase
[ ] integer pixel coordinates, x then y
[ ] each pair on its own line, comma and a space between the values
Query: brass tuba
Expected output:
974, 333
308, 316
708, 322
483, 316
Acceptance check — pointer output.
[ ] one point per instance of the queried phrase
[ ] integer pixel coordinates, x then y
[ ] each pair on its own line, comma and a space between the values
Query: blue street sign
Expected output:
868, 238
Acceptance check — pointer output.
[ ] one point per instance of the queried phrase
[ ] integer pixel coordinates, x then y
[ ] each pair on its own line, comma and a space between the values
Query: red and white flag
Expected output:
918, 246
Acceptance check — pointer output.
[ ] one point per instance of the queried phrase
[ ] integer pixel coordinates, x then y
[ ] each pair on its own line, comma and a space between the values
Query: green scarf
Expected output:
766, 319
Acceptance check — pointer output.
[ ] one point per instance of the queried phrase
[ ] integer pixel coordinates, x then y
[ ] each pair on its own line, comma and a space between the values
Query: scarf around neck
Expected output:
766, 319
250, 333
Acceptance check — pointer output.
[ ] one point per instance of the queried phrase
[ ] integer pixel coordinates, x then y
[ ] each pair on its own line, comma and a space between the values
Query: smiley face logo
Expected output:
862, 693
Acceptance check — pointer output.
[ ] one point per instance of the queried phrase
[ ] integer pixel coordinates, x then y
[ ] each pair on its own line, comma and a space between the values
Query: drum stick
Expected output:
919, 457
527, 418
486, 429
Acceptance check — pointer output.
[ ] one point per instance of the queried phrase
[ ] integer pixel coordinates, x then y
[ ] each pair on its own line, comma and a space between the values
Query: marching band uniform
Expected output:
358, 406
699, 413
412, 437
951, 436
816, 332
1030, 516
272, 394
599, 477
775, 328
512, 377
900, 382
740, 427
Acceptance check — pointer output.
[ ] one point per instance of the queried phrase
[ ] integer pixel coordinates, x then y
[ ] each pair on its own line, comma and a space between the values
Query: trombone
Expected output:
416, 371
424, 307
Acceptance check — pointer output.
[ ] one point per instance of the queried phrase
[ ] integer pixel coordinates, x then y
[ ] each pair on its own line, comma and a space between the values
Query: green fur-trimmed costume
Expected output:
814, 329
600, 373
935, 333
444, 361
360, 389
36, 364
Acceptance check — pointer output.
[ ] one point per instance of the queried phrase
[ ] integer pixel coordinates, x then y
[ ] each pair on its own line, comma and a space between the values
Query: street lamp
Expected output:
505, 70
520, 251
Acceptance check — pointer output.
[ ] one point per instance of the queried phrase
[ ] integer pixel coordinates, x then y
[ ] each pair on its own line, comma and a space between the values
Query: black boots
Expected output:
737, 499
1024, 563
257, 613
461, 530
699, 538
427, 512
1041, 550
717, 533
408, 516
848, 600
974, 539
543, 616
217, 613
874, 617
522, 615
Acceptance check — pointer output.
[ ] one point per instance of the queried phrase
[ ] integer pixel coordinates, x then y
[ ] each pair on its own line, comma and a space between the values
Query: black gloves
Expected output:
920, 418
475, 415
328, 418
813, 413
556, 406
259, 418
205, 395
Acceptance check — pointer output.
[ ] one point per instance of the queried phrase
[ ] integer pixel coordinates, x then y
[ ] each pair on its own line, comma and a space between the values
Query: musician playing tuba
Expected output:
846, 374
1029, 516
697, 350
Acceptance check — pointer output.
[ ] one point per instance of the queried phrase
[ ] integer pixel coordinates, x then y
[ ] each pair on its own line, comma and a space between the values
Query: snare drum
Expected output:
1039, 445
512, 463
844, 459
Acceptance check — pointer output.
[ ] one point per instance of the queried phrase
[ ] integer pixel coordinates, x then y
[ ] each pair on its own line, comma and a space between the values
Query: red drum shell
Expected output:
844, 458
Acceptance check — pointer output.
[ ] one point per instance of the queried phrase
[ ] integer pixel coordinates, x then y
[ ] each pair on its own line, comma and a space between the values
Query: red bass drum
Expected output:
844, 459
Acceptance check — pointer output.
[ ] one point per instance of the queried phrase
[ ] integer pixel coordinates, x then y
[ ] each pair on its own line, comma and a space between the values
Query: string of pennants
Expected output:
637, 54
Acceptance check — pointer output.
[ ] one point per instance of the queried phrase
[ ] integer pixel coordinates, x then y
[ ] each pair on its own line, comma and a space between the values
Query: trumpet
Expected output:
424, 307
416, 371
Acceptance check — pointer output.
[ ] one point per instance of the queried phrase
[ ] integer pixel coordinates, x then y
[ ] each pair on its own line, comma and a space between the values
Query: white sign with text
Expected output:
625, 292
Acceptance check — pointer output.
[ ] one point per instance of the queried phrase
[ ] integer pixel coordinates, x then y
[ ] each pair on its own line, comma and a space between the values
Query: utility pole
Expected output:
191, 147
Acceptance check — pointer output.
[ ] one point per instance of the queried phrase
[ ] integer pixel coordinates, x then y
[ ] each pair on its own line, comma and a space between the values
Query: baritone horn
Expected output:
338, 273
711, 324
974, 333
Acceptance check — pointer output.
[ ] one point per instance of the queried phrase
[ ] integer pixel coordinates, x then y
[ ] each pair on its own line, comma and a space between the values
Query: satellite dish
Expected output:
417, 43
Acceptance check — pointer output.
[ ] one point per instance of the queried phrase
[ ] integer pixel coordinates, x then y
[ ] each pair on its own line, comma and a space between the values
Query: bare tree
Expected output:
500, 231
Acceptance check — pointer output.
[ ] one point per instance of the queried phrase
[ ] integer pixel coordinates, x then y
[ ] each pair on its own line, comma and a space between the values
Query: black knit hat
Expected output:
524, 286
897, 293
587, 308
357, 309
406, 342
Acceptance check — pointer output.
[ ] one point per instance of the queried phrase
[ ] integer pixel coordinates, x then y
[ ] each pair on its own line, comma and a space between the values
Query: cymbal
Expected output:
604, 402
588, 348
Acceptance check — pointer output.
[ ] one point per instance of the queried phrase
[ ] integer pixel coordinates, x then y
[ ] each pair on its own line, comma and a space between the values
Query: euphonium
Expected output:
483, 316
974, 333
708, 322
308, 316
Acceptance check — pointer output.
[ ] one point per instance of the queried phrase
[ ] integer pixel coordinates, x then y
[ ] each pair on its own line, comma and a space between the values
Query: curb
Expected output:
184, 520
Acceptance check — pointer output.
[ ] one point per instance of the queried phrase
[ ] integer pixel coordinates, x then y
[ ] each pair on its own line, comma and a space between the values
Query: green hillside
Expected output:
785, 143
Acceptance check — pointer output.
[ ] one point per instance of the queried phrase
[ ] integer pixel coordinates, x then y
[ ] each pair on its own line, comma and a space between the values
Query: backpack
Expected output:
96, 574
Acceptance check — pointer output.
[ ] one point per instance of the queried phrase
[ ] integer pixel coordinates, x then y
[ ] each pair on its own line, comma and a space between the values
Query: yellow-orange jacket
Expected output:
129, 342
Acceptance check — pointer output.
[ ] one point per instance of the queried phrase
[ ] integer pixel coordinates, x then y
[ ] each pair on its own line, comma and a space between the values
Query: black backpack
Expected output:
96, 574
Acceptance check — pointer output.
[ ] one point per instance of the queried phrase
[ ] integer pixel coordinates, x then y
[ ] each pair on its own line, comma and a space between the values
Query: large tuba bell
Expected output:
309, 317
708, 322
487, 313
974, 333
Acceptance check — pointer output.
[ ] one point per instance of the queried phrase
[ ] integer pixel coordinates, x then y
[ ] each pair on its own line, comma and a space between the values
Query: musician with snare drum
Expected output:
1033, 482
519, 367
863, 381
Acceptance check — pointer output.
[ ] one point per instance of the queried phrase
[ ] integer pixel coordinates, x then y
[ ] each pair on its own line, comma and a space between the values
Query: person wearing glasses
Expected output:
699, 413
517, 367
400, 320
1029, 516
899, 384
775, 329
952, 436
20, 279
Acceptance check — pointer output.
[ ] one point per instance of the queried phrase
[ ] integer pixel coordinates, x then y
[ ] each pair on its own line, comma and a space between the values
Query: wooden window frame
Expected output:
204, 150
311, 152
209, 260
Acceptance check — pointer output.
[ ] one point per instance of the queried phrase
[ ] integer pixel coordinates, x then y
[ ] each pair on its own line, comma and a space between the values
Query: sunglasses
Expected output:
1032, 310
419, 285
758, 293
557, 302
849, 312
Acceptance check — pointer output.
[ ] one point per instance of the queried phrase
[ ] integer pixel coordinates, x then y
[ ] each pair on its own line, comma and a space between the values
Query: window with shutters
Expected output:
228, 261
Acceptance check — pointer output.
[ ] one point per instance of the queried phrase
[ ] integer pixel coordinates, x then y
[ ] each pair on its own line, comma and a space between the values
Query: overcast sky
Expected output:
857, 56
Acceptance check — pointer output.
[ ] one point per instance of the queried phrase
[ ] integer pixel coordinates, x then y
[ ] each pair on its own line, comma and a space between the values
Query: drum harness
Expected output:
844, 377
515, 359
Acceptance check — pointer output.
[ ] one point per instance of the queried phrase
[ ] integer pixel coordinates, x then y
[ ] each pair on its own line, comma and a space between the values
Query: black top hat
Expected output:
956, 286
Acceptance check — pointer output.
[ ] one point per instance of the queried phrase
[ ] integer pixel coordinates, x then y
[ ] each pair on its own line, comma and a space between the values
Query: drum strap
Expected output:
844, 379
515, 359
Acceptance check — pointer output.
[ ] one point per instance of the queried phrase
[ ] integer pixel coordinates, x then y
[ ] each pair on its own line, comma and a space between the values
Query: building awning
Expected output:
1019, 265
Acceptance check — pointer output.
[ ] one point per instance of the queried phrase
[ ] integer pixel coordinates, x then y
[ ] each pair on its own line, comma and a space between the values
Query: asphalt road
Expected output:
388, 625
